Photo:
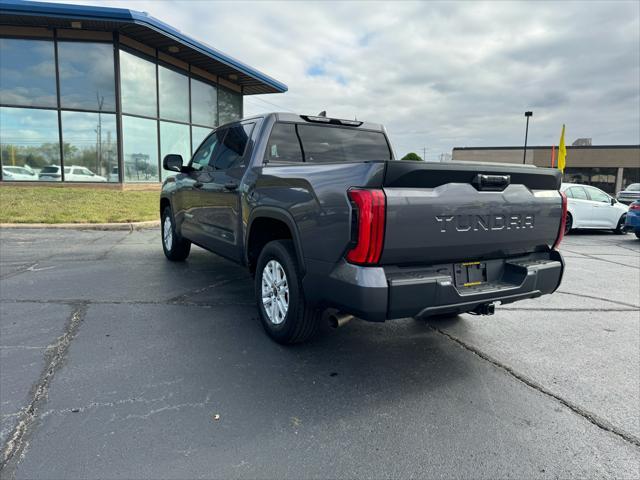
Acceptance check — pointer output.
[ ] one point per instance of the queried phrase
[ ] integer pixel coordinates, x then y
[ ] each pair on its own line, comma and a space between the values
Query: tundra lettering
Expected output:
466, 223
331, 226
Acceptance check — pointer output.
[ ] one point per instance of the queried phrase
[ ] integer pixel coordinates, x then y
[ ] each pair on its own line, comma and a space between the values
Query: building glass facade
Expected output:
100, 111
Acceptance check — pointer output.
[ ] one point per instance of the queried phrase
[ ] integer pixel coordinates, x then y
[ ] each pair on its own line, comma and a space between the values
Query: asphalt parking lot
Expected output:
118, 364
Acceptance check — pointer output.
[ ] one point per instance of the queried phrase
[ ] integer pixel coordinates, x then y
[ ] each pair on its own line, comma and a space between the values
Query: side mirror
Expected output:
172, 162
613, 201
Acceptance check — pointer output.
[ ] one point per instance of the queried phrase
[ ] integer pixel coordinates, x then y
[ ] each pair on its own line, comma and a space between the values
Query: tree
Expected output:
412, 156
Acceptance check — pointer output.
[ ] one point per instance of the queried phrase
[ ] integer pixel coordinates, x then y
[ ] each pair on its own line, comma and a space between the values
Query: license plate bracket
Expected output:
470, 274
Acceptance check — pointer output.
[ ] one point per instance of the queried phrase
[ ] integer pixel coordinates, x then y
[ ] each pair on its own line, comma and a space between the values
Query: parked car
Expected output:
73, 173
633, 218
325, 218
590, 207
10, 172
629, 194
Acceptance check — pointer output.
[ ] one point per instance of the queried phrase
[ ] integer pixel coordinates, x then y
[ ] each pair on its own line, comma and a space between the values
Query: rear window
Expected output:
634, 187
314, 143
50, 170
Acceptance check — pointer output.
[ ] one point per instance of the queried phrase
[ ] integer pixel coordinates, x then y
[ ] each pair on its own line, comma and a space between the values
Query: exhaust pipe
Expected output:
339, 319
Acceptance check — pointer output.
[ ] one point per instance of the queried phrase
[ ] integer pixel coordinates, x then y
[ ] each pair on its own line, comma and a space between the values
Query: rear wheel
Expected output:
569, 225
638, 234
174, 246
284, 314
620, 230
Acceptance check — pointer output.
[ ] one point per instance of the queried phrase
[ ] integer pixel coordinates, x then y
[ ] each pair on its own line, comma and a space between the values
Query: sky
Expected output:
438, 74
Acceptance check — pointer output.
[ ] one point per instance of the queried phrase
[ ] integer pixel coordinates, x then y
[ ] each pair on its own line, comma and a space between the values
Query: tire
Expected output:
174, 246
289, 319
620, 230
569, 224
638, 235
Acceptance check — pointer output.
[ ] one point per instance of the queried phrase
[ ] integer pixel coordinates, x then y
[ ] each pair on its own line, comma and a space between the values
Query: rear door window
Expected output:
283, 145
338, 144
598, 195
233, 147
578, 193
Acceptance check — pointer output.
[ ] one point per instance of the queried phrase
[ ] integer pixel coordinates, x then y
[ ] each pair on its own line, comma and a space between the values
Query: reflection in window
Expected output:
27, 72
138, 85
90, 141
29, 139
198, 134
229, 106
174, 138
140, 149
204, 104
87, 79
174, 95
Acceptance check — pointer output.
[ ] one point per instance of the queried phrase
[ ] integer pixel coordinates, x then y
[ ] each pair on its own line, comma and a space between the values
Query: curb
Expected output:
131, 226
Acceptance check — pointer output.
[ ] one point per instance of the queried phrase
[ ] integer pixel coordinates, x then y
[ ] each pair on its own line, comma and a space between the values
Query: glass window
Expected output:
206, 153
233, 147
335, 144
204, 104
578, 193
140, 149
598, 195
87, 79
29, 139
283, 144
630, 175
229, 106
174, 138
90, 140
198, 134
27, 72
174, 95
138, 85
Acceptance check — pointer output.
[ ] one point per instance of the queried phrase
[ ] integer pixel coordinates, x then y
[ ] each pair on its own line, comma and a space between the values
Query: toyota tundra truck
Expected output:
331, 225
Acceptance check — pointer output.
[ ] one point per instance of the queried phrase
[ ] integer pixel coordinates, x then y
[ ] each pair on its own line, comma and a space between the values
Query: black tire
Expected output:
638, 235
620, 230
176, 250
569, 224
300, 321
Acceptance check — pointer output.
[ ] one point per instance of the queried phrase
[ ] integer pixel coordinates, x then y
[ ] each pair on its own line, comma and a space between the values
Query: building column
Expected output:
619, 178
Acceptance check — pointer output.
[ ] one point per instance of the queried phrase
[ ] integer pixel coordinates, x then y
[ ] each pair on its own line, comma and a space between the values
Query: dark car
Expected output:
326, 219
633, 218
629, 194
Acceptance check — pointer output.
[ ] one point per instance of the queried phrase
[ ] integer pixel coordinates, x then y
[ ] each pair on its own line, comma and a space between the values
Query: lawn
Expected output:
76, 205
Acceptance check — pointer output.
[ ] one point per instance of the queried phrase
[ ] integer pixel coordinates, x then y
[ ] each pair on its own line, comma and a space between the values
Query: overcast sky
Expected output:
437, 74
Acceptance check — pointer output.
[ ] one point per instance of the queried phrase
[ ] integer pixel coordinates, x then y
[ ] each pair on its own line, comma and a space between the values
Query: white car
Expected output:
10, 172
74, 173
590, 207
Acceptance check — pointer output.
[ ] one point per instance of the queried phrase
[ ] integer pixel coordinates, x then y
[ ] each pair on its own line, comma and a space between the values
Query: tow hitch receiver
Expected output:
485, 309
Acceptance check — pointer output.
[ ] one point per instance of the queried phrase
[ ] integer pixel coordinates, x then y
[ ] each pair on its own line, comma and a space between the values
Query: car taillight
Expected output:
634, 206
369, 210
563, 221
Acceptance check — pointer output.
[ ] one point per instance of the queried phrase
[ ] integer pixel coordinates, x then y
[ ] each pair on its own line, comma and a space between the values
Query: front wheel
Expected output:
174, 246
620, 229
284, 314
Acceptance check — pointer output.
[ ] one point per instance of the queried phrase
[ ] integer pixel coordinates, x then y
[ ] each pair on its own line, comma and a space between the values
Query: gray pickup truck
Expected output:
327, 220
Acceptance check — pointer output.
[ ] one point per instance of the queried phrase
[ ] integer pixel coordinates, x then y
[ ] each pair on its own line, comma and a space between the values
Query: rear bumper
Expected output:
381, 293
632, 222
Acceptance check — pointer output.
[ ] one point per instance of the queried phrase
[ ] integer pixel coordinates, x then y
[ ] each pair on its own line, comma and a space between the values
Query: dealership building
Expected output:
96, 94
608, 167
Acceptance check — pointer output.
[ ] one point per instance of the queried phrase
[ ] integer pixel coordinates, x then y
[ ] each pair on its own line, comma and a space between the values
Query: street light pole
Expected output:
526, 134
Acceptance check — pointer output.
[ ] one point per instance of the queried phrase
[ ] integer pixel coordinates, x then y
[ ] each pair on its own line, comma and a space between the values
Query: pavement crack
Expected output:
55, 356
577, 409
593, 297
185, 296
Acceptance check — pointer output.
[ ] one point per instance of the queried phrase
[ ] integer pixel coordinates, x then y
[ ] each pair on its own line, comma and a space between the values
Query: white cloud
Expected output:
438, 74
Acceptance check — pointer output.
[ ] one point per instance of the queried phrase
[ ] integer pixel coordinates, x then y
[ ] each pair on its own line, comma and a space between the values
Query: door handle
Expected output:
230, 186
198, 185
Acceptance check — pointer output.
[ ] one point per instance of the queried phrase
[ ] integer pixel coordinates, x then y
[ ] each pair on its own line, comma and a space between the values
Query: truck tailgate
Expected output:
443, 213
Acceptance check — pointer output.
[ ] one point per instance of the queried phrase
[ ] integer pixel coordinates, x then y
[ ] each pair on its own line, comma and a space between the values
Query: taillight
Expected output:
369, 211
634, 206
563, 221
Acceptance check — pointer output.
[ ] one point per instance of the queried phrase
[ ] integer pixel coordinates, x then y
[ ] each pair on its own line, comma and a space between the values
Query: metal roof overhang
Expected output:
145, 29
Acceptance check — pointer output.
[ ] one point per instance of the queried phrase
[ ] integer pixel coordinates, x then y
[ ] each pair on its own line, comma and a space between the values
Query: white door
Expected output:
580, 207
604, 214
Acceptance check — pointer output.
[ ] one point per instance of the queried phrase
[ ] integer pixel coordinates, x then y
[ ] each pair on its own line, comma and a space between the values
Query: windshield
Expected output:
634, 187
336, 144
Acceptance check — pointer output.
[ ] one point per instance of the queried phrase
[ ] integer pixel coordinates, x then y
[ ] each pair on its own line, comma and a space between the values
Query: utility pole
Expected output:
424, 154
526, 133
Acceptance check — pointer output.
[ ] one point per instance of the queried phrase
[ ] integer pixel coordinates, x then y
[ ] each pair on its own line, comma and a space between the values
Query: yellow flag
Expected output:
562, 152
